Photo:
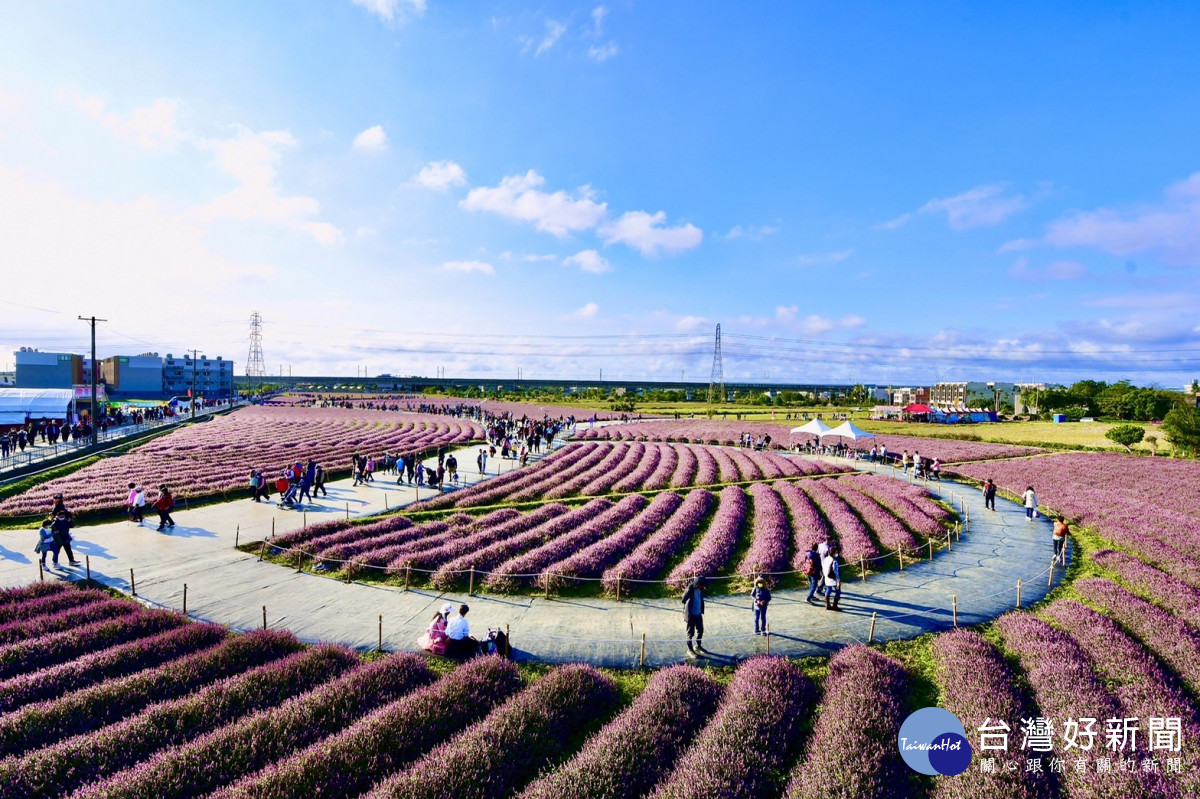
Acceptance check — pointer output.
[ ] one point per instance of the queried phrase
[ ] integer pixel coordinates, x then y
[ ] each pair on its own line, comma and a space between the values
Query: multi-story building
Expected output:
133, 375
37, 369
971, 394
1028, 398
907, 396
209, 377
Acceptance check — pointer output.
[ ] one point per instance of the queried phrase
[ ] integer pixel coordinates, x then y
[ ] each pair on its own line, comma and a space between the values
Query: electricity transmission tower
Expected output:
716, 383
255, 366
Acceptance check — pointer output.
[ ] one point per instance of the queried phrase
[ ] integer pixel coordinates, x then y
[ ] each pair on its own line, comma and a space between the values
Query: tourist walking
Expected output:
810, 567
937, 470
1061, 530
693, 611
164, 505
319, 481
904, 462
1031, 503
358, 469
760, 597
481, 461
989, 495
833, 578
61, 531
132, 506
46, 542
452, 468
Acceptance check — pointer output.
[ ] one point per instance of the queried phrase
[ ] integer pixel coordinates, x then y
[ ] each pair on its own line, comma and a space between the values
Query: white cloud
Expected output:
440, 175
752, 232
251, 158
589, 261
519, 197
977, 207
150, 127
598, 15
603, 52
588, 311
469, 266
373, 138
365, 232
554, 32
690, 323
1169, 229
391, 10
644, 233
815, 324
1057, 270
811, 258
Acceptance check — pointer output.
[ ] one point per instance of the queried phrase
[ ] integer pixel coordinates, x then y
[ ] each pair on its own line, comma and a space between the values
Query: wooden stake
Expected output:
133, 585
642, 659
298, 559
1050, 582
272, 527
471, 589
385, 502
407, 575
41, 572
954, 600
87, 560
264, 617
949, 542
304, 523
768, 639
871, 635
347, 511
1018, 594
862, 567
618, 587
185, 600
546, 578
900, 555
931, 549
237, 536
380, 632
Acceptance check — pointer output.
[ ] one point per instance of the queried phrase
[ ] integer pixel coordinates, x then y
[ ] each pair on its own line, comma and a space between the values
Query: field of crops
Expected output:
728, 433
666, 537
102, 698
216, 456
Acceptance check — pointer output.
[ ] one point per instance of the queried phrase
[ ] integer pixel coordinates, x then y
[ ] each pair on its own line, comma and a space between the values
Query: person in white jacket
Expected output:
1031, 502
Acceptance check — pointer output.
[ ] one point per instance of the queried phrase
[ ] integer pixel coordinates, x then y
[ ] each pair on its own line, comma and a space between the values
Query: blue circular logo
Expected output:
933, 741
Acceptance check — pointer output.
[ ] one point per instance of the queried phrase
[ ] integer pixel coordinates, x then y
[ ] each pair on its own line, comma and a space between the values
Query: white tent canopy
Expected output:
847, 430
19, 404
814, 428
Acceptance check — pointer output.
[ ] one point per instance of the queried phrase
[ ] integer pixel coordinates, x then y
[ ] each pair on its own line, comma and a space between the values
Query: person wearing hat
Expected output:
760, 597
693, 611
61, 531
434, 639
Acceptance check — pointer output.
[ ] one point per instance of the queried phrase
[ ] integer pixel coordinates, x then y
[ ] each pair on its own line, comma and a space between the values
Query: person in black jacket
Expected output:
693, 611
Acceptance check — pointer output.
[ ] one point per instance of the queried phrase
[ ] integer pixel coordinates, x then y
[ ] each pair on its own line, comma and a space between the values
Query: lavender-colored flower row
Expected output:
65, 619
108, 702
483, 535
707, 467
808, 526
640, 475
105, 665
501, 754
592, 561
891, 533
631, 754
668, 462
977, 685
719, 541
330, 534
12, 597
745, 750
651, 556
386, 739
505, 577
50, 650
247, 745
771, 535
893, 494
1142, 687
565, 487
585, 458
749, 469
686, 468
380, 551
449, 574
48, 603
727, 469
214, 457
1174, 641
601, 484
1170, 592
85, 759
853, 535
852, 750
488, 491
1065, 687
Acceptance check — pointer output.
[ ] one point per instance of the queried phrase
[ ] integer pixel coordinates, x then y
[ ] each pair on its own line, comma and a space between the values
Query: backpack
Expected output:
496, 643
808, 568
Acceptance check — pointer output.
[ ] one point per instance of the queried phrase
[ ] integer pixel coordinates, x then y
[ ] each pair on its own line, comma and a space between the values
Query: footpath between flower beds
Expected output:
973, 581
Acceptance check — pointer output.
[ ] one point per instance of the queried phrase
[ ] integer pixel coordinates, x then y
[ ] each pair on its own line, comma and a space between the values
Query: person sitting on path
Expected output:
833, 578
1031, 503
434, 638
460, 644
989, 494
693, 611
164, 505
1061, 530
810, 567
760, 597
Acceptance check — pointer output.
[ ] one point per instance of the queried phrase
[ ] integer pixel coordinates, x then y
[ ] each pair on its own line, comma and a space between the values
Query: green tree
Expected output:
1182, 428
1126, 435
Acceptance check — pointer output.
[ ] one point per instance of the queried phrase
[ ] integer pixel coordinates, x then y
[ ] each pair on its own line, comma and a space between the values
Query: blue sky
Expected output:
892, 193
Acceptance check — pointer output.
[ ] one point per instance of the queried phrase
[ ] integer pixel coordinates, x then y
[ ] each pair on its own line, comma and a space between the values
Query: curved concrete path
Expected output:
229, 587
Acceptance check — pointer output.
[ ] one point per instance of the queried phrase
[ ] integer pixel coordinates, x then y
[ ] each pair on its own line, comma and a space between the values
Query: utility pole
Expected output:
92, 410
193, 402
